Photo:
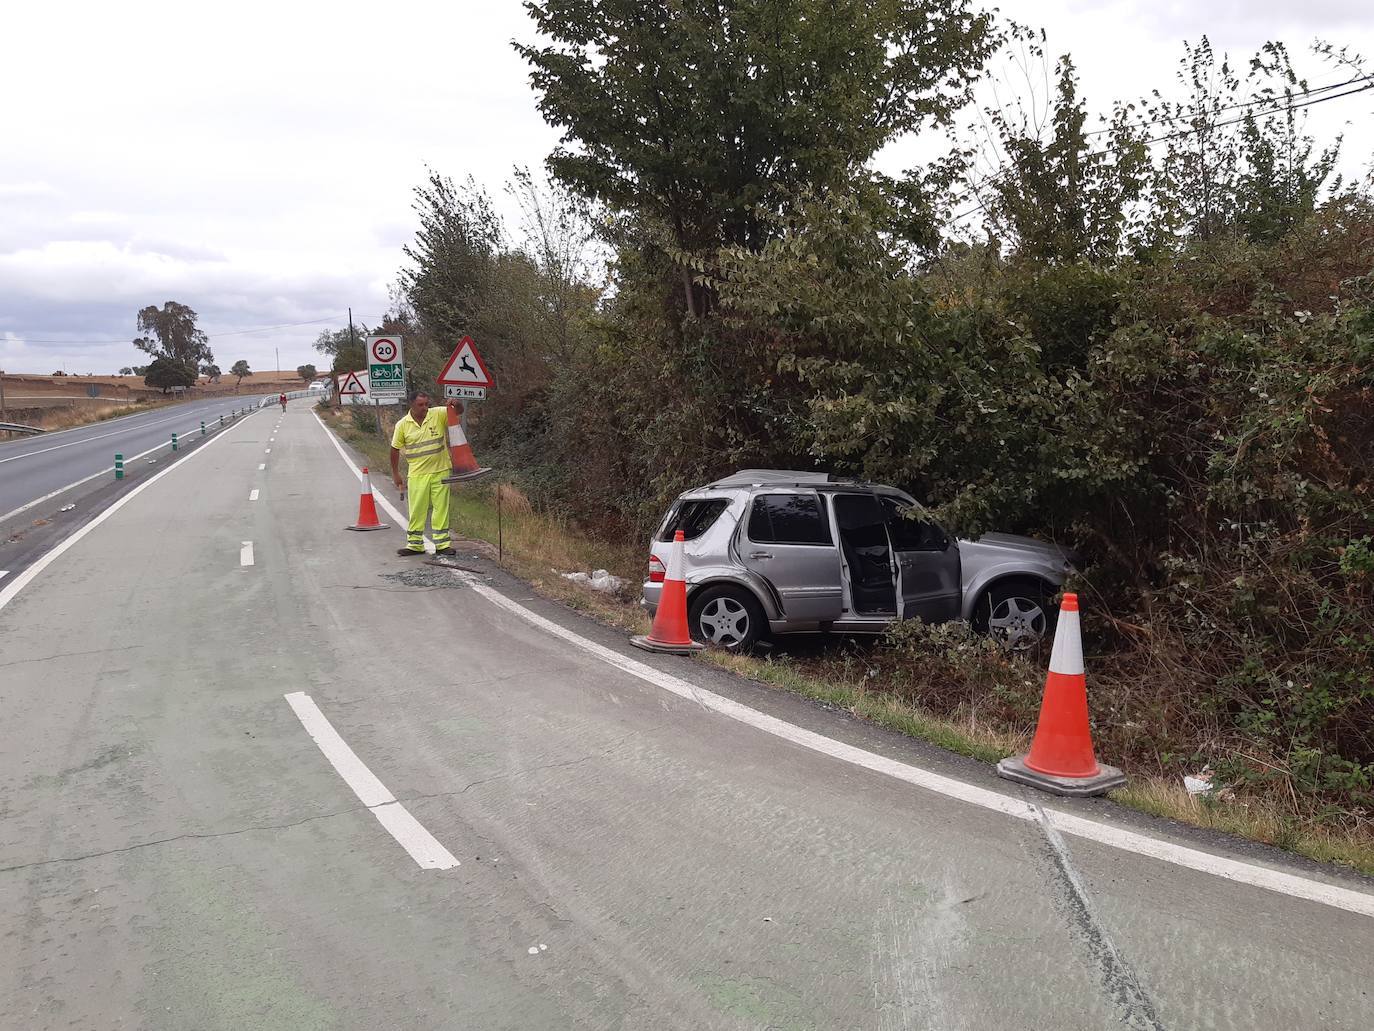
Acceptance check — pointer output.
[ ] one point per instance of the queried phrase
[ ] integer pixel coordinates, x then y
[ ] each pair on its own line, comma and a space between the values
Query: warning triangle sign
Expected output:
465, 367
351, 386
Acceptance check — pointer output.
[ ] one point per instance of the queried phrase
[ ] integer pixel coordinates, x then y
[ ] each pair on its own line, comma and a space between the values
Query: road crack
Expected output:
188, 837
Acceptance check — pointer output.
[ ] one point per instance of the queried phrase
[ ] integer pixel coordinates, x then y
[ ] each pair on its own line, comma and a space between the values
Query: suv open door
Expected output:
929, 580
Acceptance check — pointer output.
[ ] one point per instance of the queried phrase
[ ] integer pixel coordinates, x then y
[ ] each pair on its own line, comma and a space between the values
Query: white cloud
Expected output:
256, 162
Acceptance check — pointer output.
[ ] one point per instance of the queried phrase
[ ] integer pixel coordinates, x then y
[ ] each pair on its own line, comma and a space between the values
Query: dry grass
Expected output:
539, 546
84, 415
1254, 818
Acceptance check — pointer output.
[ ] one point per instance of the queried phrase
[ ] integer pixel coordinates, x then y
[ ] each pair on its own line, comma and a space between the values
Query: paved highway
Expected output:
32, 469
258, 772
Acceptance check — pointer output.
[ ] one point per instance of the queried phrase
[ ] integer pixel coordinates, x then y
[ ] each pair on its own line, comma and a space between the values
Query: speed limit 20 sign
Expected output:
386, 370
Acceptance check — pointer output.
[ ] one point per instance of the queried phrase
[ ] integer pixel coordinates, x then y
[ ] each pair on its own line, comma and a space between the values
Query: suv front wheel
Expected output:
726, 617
1019, 613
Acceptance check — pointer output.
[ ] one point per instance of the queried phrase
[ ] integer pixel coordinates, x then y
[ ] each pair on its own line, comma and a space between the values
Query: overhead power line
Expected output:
208, 333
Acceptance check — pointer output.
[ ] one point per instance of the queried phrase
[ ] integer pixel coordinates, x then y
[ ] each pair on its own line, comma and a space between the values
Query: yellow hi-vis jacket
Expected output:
424, 445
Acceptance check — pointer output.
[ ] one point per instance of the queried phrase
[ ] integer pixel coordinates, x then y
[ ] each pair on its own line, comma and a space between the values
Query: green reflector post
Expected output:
119, 466
174, 441
202, 427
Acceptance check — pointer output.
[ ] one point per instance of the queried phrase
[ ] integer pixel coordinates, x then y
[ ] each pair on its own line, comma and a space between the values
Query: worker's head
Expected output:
419, 405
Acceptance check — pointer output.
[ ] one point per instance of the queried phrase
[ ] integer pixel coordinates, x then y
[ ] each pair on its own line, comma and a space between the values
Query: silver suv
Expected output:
772, 551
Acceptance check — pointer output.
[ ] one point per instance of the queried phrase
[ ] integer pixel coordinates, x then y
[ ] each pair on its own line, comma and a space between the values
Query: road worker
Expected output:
282, 399
422, 436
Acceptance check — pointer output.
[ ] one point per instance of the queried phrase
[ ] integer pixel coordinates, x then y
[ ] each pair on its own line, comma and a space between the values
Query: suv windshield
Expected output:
693, 517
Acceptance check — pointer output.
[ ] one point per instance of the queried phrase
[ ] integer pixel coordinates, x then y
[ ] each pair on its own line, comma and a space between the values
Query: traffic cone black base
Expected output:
462, 477
1108, 778
666, 649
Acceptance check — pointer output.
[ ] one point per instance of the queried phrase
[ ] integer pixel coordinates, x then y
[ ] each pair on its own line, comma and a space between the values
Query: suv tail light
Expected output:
657, 571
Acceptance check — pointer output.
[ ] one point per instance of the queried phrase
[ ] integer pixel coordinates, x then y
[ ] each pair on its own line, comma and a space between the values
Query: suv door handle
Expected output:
756, 555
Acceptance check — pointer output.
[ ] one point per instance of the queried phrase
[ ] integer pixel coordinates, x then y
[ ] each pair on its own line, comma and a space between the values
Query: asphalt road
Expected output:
258, 772
33, 468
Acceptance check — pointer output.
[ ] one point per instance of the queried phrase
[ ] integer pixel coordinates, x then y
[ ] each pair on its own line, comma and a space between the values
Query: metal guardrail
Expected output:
290, 395
17, 427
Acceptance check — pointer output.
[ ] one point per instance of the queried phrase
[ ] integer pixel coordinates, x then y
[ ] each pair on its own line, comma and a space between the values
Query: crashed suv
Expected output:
780, 552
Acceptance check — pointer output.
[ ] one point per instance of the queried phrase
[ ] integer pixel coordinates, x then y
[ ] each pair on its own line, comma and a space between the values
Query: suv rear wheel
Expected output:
727, 617
1019, 613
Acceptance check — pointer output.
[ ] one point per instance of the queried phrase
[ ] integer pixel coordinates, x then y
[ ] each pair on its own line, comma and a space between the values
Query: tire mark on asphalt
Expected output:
1121, 983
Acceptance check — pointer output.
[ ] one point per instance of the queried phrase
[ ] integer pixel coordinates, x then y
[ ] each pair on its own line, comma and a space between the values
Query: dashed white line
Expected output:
246, 554
4, 573
262, 466
252, 495
423, 847
268, 451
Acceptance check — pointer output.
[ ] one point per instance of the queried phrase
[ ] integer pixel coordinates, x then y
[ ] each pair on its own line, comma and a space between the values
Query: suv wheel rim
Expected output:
724, 621
1019, 623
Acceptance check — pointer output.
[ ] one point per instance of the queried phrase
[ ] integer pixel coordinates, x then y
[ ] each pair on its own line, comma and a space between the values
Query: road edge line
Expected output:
1279, 881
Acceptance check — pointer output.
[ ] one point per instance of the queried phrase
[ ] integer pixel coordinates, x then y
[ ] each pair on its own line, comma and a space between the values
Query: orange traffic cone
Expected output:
670, 633
1061, 758
465, 465
367, 508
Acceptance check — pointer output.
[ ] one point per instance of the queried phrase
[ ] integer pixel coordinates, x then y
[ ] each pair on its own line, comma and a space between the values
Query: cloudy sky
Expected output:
257, 164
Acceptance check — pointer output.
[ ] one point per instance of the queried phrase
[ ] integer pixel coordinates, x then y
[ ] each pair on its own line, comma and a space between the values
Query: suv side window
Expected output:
788, 519
909, 531
693, 518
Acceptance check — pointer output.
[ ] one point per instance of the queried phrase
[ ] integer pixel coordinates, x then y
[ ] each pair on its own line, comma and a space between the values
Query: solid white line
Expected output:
252, 495
85, 479
26, 577
1106, 834
246, 554
423, 847
262, 466
1079, 826
4, 573
382, 500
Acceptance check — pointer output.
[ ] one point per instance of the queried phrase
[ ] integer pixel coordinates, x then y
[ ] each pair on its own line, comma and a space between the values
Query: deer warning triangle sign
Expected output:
465, 367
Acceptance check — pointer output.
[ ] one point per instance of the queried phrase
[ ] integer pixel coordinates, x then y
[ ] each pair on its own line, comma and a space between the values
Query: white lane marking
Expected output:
423, 847
262, 466
271, 439
391, 509
26, 577
85, 479
246, 554
252, 495
87, 440
268, 451
1105, 834
4, 573
102, 436
1079, 826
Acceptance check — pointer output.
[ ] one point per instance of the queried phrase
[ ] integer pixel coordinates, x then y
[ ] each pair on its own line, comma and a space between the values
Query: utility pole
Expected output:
352, 342
2, 396
277, 351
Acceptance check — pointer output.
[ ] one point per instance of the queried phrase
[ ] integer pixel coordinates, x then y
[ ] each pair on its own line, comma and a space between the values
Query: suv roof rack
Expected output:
772, 478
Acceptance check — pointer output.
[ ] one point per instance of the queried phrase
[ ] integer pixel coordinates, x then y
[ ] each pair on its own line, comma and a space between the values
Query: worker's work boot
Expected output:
408, 551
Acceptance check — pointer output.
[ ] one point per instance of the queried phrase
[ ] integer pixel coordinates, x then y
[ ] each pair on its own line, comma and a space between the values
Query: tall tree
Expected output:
306, 372
170, 332
452, 255
165, 373
706, 114
240, 369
